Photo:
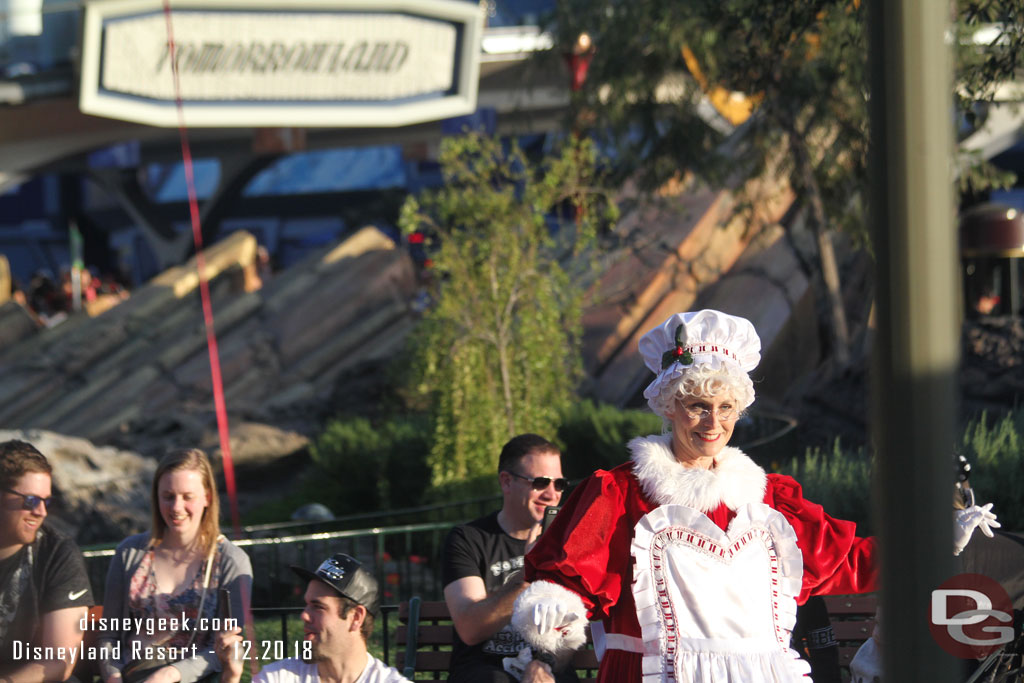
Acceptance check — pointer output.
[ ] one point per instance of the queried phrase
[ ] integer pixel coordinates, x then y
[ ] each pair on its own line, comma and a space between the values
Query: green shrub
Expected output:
307, 487
497, 354
467, 489
842, 481
997, 466
839, 481
595, 436
374, 467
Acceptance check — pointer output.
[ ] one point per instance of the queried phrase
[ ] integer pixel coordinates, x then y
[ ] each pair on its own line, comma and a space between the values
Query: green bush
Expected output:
595, 436
839, 481
498, 352
307, 487
997, 466
374, 466
470, 488
382, 466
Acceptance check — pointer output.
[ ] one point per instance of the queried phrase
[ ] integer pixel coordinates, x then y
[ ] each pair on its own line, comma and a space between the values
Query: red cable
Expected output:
204, 287
211, 336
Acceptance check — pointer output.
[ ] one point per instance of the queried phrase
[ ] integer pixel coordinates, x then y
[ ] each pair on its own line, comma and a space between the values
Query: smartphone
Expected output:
549, 516
224, 604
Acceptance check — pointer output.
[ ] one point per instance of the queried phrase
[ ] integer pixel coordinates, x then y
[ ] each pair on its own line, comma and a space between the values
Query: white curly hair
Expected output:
702, 381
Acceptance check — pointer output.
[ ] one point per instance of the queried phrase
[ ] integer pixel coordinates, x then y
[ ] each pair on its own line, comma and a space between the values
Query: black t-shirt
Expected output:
57, 580
481, 548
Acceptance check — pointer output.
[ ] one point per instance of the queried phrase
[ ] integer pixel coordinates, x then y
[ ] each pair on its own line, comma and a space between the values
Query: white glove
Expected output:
551, 615
966, 521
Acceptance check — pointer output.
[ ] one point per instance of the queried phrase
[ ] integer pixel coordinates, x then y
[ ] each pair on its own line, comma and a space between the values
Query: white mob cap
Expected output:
698, 338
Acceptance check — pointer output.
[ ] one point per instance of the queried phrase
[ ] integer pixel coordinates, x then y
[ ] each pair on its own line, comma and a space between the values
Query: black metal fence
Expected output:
405, 558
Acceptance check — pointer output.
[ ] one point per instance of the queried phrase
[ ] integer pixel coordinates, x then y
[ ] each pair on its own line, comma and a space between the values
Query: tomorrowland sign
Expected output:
337, 63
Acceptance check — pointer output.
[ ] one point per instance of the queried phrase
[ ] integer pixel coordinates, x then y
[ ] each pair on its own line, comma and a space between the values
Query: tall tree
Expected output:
498, 352
800, 65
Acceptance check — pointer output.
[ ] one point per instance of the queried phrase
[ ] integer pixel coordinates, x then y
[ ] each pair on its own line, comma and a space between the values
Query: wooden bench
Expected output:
853, 622
425, 634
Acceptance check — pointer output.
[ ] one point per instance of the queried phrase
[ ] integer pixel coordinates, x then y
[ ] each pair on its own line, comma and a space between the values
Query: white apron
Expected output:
713, 605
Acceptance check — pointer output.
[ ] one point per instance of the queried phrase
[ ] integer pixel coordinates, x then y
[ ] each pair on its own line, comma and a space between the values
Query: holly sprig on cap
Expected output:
678, 353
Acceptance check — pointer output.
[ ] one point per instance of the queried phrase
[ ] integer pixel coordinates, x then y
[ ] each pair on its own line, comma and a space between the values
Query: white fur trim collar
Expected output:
735, 480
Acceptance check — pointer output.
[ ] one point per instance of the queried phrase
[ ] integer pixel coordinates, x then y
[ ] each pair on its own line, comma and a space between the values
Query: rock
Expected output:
313, 512
15, 323
139, 375
993, 360
254, 444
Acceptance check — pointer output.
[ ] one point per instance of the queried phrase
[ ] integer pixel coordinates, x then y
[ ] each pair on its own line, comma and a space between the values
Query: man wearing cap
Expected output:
341, 599
44, 588
482, 566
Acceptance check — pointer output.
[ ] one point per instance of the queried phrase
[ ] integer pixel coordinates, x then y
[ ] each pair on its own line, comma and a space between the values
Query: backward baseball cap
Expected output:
346, 575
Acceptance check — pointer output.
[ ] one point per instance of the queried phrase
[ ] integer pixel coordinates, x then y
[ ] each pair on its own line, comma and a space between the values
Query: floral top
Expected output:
146, 603
231, 569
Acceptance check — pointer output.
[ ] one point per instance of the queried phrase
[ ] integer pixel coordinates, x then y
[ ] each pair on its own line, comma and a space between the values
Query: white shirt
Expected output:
293, 670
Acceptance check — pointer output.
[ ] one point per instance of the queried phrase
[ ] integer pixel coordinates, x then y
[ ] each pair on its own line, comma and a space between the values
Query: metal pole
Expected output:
1015, 301
917, 348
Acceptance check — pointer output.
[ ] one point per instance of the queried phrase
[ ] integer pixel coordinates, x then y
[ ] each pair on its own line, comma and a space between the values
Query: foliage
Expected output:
595, 436
840, 481
498, 353
305, 488
373, 466
989, 44
997, 473
989, 51
801, 62
800, 65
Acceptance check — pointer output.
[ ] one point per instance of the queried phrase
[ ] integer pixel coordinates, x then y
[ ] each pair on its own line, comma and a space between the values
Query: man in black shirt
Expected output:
482, 565
44, 589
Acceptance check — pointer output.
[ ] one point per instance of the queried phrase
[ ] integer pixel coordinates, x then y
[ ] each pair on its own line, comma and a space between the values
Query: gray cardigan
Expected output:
233, 570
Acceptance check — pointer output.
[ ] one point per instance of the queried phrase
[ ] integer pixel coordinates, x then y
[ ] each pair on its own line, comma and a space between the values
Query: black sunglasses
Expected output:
541, 483
31, 502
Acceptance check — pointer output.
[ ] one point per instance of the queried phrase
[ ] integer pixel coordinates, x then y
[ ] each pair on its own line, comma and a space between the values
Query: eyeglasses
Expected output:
541, 483
700, 411
30, 502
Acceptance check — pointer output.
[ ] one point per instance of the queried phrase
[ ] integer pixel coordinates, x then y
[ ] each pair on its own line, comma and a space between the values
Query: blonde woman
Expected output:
168, 580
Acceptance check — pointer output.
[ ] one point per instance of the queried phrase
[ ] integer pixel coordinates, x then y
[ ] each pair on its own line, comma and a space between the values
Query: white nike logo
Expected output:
74, 595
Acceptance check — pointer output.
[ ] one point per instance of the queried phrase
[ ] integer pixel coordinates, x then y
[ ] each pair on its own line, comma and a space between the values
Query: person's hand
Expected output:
165, 674
537, 672
551, 615
532, 539
113, 678
966, 521
229, 653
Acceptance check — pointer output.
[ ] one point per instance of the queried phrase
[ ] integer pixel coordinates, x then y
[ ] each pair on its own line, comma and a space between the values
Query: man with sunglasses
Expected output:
44, 588
482, 565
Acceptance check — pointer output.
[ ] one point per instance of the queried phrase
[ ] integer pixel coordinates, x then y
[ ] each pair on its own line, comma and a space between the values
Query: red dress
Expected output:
592, 548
